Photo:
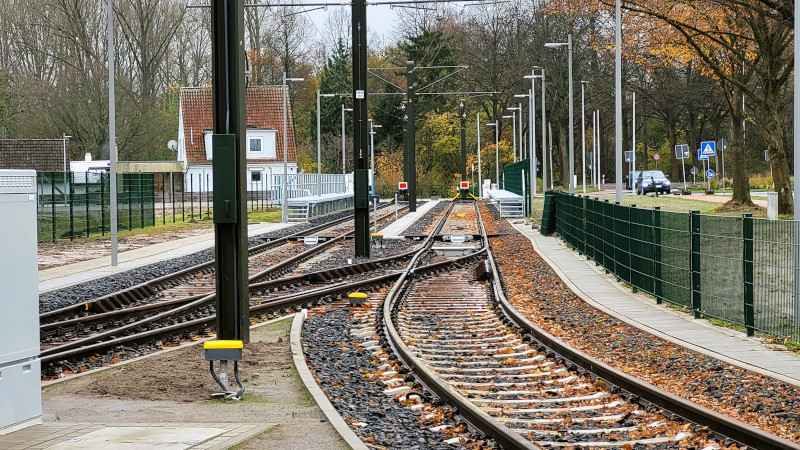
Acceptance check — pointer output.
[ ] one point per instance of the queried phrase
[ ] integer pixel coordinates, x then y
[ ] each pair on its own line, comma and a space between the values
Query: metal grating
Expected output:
10, 181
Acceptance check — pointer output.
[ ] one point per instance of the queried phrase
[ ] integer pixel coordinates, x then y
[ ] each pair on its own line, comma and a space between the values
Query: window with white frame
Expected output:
255, 177
256, 145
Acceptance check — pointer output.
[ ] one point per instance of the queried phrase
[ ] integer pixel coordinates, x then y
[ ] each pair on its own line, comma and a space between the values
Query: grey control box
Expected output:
20, 370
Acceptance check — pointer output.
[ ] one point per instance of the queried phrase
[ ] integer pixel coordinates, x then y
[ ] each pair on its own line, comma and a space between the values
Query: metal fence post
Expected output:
129, 190
695, 263
658, 288
141, 202
631, 210
86, 202
71, 207
53, 201
103, 180
747, 261
163, 198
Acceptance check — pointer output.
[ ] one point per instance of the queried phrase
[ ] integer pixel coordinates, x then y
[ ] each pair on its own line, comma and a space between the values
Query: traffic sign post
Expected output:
707, 150
682, 152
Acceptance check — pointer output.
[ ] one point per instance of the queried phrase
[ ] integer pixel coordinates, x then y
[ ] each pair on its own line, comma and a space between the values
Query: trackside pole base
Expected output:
224, 351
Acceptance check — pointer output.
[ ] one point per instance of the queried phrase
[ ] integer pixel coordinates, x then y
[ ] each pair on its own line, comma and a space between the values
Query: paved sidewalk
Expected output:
395, 229
63, 276
174, 436
603, 292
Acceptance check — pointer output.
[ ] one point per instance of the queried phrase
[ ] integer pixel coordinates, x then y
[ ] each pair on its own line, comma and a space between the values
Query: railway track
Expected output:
452, 327
78, 339
199, 279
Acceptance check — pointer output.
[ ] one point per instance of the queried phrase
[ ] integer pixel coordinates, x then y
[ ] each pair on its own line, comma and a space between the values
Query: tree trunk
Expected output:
741, 180
780, 167
675, 169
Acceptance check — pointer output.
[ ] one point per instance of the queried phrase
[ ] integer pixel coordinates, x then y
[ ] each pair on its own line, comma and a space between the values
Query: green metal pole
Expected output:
695, 264
747, 261
228, 117
411, 152
360, 129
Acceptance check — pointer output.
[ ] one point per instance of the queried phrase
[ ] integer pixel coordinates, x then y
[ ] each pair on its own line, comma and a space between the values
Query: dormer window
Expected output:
256, 145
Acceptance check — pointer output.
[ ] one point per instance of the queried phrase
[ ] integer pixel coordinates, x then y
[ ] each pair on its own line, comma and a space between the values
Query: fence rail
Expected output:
740, 270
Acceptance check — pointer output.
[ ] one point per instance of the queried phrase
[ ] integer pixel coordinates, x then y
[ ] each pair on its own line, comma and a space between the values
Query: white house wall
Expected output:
200, 177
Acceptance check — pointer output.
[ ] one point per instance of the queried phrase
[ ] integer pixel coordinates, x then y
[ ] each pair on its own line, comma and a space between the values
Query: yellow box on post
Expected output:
357, 298
225, 350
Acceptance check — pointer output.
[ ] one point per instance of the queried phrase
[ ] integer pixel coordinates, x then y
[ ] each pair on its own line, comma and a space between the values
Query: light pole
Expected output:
496, 125
532, 140
344, 156
372, 127
480, 172
513, 118
583, 134
568, 44
319, 142
284, 203
618, 101
518, 110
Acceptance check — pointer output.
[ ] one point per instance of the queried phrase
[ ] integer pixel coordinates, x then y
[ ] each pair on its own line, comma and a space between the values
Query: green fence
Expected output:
741, 270
72, 204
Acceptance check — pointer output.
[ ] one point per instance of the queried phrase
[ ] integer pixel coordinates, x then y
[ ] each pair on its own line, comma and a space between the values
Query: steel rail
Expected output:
463, 407
119, 299
716, 422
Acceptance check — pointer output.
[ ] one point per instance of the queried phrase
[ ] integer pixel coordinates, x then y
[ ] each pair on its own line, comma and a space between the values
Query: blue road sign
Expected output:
708, 148
710, 173
700, 156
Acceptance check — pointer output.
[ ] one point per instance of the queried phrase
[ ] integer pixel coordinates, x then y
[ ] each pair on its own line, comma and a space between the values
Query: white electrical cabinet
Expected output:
20, 369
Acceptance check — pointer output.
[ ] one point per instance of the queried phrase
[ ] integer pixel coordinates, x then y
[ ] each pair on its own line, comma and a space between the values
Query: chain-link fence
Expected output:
740, 270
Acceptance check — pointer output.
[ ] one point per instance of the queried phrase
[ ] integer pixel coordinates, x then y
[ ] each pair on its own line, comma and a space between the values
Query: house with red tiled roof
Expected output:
41, 155
264, 111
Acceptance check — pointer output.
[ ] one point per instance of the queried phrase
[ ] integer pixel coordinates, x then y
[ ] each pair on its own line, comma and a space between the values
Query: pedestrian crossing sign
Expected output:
708, 148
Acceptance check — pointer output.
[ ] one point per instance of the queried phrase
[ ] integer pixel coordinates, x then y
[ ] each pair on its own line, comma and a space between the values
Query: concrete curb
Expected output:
640, 298
320, 398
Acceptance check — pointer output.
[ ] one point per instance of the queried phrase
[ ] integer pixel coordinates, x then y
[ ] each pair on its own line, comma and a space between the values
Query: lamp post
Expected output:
533, 78
480, 172
344, 156
568, 44
618, 100
518, 110
372, 127
513, 118
531, 95
583, 134
284, 216
496, 125
319, 142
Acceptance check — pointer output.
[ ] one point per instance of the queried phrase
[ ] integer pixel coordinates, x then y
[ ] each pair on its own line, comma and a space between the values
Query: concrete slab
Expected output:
396, 228
603, 291
133, 436
141, 438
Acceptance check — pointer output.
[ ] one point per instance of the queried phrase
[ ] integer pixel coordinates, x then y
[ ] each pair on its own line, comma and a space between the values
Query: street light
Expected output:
496, 126
480, 171
372, 127
513, 118
284, 203
533, 78
618, 100
518, 108
583, 135
344, 156
319, 143
568, 44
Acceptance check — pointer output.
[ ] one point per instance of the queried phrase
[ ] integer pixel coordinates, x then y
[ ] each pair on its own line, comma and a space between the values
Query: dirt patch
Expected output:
730, 207
176, 387
184, 375
59, 253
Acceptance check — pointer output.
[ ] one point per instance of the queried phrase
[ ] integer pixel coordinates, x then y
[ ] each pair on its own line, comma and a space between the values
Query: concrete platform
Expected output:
61, 277
602, 291
396, 229
135, 436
